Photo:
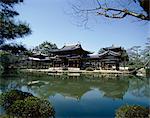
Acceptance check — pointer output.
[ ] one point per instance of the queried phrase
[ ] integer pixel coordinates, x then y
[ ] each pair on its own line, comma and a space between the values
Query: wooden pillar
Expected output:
117, 65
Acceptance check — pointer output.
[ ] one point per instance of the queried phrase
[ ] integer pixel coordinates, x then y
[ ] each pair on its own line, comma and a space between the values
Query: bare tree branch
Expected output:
118, 13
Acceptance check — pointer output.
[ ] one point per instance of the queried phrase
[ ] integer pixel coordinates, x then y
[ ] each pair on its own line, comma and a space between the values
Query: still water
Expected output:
83, 96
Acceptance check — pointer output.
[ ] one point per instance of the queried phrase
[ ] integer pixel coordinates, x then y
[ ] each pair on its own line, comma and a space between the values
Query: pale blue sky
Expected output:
49, 22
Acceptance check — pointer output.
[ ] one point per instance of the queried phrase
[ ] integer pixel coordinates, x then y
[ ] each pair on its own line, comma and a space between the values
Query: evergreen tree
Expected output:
45, 47
11, 29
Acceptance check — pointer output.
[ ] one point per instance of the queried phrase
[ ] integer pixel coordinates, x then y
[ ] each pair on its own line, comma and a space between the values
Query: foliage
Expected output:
6, 116
124, 55
7, 62
13, 48
146, 52
1, 69
148, 72
132, 112
22, 104
10, 29
101, 50
31, 107
8, 98
139, 57
135, 57
45, 47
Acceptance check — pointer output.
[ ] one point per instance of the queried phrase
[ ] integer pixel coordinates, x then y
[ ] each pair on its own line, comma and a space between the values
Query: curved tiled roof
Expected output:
70, 48
110, 53
112, 47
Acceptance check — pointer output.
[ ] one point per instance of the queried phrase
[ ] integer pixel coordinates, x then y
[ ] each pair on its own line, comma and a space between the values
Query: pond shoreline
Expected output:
78, 71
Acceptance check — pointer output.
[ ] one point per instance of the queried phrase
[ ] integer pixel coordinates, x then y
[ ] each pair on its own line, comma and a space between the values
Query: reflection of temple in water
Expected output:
76, 88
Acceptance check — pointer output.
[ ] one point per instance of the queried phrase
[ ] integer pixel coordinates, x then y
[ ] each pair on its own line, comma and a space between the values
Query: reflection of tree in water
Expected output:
17, 82
7, 83
114, 89
139, 87
76, 87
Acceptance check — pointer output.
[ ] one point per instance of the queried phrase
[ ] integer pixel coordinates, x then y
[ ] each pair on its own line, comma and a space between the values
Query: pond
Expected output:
78, 96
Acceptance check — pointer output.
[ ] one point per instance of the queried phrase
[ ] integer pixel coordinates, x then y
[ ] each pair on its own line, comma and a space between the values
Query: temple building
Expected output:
74, 56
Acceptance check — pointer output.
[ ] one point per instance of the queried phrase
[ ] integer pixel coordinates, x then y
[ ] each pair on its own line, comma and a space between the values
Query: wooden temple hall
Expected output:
70, 56
75, 56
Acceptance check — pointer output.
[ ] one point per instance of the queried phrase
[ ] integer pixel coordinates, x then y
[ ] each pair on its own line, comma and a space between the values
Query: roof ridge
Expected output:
116, 53
71, 44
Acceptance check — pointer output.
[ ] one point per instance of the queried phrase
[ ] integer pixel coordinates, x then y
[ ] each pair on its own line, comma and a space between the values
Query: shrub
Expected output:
148, 72
22, 104
132, 112
1, 69
8, 98
131, 69
6, 116
7, 62
89, 69
31, 107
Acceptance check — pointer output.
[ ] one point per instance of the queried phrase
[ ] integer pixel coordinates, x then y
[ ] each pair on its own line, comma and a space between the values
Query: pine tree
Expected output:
11, 29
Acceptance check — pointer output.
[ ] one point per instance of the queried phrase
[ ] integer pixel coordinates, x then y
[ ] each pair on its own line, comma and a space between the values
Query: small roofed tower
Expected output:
114, 56
113, 48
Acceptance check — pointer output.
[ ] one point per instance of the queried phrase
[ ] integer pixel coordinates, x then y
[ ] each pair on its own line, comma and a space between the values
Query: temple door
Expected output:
65, 60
